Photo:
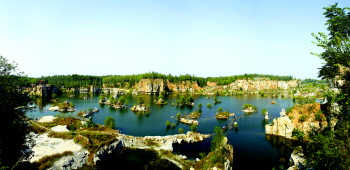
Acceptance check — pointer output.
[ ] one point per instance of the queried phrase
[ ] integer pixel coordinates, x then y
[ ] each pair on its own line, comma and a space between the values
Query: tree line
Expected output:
123, 80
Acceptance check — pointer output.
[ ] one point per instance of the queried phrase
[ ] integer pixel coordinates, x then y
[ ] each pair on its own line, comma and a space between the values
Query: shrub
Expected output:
220, 109
216, 100
246, 106
167, 123
178, 116
54, 96
140, 100
160, 97
298, 134
303, 117
189, 99
209, 105
173, 125
264, 111
319, 116
194, 128
122, 100
109, 121
289, 110
181, 131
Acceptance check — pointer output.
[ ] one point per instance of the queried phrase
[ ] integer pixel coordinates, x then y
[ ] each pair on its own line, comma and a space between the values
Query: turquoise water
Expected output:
248, 140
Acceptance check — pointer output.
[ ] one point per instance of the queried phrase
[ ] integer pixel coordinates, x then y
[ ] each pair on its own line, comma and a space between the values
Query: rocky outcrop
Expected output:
114, 147
150, 86
77, 160
281, 126
297, 159
46, 146
188, 121
257, 85
183, 86
300, 117
139, 108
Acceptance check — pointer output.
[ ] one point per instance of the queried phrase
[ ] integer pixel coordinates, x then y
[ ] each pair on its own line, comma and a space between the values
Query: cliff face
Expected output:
183, 86
281, 126
160, 85
150, 86
305, 118
253, 85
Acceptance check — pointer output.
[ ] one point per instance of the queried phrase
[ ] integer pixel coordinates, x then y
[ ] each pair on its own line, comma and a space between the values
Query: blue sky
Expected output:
203, 38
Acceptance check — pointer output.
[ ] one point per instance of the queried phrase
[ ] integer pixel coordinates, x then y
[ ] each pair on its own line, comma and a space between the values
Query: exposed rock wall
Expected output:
160, 85
281, 126
150, 86
254, 85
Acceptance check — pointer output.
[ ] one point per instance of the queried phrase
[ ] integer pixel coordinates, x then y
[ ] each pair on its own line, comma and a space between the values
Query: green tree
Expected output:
194, 128
216, 142
220, 109
178, 116
13, 124
167, 123
330, 149
160, 96
140, 100
122, 100
109, 121
181, 131
264, 111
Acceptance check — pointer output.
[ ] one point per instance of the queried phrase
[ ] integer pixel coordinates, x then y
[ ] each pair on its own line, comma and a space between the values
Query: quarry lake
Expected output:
252, 149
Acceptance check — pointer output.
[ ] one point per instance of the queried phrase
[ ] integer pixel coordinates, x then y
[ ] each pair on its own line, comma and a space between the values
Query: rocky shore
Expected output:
46, 146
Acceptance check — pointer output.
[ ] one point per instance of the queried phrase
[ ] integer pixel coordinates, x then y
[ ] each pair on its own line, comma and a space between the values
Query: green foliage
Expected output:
71, 104
303, 117
173, 125
216, 100
109, 121
216, 142
122, 100
209, 105
194, 128
327, 151
298, 134
54, 96
140, 100
330, 149
167, 123
181, 131
90, 124
202, 155
289, 110
246, 106
13, 125
101, 97
199, 108
320, 117
178, 116
219, 109
264, 111
160, 96
189, 99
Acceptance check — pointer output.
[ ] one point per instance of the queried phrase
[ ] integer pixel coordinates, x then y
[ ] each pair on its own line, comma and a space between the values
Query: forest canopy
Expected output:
120, 80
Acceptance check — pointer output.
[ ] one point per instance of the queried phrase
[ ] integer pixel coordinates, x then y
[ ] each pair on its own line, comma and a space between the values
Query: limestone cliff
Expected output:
305, 118
150, 86
160, 85
183, 86
256, 85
